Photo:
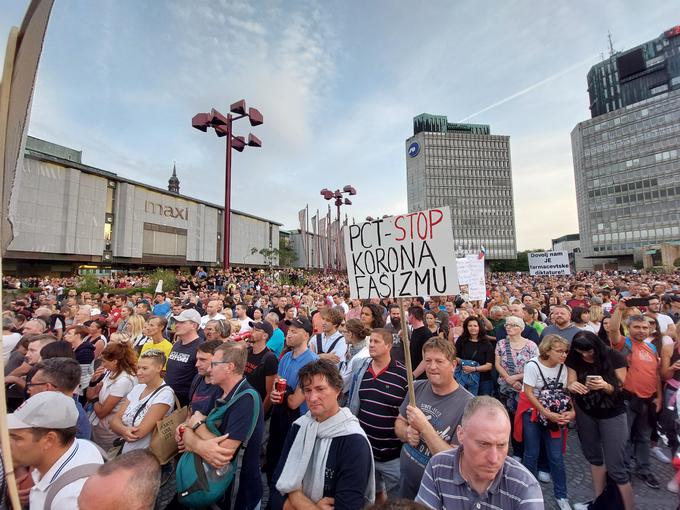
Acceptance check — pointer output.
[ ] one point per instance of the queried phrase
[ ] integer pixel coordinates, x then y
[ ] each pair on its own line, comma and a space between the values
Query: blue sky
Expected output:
338, 84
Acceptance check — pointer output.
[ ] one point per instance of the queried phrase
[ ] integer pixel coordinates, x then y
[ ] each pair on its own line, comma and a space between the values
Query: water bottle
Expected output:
214, 474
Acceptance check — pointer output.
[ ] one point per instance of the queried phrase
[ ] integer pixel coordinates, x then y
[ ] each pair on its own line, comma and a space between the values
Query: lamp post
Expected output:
223, 127
339, 201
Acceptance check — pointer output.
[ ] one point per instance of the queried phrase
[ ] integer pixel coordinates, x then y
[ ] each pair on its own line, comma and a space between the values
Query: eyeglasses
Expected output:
513, 326
31, 384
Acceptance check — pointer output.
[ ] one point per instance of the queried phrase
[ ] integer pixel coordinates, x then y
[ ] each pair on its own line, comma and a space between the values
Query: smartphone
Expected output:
642, 301
593, 378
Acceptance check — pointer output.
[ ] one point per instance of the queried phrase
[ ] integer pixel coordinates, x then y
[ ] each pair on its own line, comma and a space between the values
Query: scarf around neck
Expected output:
305, 466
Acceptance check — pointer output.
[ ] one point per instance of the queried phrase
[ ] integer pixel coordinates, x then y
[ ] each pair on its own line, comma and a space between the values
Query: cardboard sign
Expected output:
549, 263
471, 278
402, 256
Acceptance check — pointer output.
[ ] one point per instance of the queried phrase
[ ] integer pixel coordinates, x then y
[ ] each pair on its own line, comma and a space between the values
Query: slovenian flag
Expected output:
482, 252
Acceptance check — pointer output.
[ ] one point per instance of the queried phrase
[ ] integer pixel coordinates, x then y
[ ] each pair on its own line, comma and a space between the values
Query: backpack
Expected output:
319, 348
194, 490
553, 397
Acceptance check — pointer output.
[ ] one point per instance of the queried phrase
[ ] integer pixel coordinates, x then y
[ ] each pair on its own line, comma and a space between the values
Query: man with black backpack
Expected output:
330, 343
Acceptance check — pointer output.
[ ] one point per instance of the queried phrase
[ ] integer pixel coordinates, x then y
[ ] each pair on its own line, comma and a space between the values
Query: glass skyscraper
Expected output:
627, 159
465, 167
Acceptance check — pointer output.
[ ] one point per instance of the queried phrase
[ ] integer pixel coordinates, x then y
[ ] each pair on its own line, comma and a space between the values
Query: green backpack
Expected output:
194, 490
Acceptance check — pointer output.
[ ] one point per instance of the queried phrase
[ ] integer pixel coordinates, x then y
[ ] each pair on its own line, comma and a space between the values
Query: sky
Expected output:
338, 84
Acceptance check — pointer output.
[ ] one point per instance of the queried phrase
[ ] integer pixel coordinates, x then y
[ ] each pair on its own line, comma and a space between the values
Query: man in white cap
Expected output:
181, 366
43, 435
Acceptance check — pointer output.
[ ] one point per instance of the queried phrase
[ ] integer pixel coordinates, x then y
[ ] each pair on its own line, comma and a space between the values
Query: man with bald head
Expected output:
479, 471
130, 481
214, 309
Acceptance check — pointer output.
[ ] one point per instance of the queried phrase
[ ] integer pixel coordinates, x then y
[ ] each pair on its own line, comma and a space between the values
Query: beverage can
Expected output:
281, 385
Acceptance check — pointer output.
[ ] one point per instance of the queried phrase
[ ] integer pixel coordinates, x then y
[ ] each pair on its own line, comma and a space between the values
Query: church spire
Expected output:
173, 182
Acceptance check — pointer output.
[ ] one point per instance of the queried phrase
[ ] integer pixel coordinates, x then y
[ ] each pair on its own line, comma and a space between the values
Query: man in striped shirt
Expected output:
378, 389
479, 472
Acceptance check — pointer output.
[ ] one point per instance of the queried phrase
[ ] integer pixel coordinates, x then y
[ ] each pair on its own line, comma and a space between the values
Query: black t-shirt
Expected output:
348, 467
418, 338
258, 367
481, 352
236, 422
599, 404
181, 368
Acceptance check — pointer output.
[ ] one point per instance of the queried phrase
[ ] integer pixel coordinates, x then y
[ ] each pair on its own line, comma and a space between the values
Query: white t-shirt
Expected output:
164, 396
206, 318
326, 341
664, 321
245, 326
9, 342
118, 387
81, 452
533, 378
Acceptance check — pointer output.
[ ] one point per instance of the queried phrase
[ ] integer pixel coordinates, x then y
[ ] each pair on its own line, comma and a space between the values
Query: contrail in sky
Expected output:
534, 86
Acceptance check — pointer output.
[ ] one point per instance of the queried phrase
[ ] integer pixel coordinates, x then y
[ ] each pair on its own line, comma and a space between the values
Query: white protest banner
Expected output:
402, 256
549, 263
471, 277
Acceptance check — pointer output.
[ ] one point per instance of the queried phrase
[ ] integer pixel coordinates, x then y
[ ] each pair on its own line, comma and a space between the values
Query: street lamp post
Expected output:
223, 127
339, 201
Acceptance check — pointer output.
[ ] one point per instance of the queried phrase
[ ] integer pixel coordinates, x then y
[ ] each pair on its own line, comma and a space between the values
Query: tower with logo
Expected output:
468, 169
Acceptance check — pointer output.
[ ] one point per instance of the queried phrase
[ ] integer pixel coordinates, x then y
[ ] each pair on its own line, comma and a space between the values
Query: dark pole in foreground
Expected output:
223, 127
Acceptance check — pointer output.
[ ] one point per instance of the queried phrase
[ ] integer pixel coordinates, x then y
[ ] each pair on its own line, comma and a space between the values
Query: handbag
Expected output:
509, 395
163, 444
553, 397
198, 487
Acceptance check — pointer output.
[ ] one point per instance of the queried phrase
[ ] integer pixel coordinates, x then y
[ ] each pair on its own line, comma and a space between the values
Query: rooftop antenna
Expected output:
611, 44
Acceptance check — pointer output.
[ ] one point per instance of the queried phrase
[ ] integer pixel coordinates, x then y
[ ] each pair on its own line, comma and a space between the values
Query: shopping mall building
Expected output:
68, 216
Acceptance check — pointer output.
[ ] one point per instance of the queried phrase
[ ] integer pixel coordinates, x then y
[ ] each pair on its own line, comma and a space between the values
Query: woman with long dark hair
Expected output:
596, 374
475, 354
371, 316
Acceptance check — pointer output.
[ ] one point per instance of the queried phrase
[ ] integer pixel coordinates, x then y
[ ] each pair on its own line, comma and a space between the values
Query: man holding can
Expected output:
287, 399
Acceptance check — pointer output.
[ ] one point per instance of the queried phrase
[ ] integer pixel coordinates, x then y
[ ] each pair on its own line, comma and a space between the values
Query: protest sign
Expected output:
549, 263
471, 277
402, 256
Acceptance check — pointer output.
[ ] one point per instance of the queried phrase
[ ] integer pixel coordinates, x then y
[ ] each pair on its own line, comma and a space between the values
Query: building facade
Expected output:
465, 167
66, 214
626, 78
627, 173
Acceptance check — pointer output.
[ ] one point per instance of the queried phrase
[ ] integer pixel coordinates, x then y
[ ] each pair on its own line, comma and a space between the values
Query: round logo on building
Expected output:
413, 149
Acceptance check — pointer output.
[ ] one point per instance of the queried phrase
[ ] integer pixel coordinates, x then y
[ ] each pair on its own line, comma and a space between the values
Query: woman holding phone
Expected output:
595, 377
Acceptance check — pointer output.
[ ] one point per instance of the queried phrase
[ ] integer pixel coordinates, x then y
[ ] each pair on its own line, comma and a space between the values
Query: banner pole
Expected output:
407, 353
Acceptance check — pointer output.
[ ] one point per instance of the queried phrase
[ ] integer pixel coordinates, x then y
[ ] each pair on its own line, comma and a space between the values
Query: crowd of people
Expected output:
250, 390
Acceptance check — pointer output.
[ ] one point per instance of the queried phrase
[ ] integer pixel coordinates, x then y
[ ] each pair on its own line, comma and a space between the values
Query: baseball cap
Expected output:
263, 326
190, 314
301, 323
48, 410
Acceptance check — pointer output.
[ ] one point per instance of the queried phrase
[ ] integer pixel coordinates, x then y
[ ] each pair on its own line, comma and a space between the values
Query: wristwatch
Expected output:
198, 424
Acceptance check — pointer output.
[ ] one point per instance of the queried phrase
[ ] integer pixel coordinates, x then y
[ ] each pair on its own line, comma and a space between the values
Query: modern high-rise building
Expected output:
627, 160
465, 167
637, 74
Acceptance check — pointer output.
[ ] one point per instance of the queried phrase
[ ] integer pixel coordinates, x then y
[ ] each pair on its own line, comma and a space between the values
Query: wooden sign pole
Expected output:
407, 353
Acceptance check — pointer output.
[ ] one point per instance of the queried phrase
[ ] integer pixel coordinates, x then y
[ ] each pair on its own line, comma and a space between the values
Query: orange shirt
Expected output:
642, 378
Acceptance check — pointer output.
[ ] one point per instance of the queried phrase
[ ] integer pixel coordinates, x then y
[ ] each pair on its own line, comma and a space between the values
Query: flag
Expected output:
482, 252
302, 216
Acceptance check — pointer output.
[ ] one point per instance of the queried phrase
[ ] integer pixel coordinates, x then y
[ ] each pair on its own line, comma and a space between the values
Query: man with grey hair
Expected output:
34, 327
130, 481
479, 471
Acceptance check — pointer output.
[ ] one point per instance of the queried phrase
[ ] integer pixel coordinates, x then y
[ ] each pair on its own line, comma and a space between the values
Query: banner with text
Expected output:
549, 263
471, 278
402, 256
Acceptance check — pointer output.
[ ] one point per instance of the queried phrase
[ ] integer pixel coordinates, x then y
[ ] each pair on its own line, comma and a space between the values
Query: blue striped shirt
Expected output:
443, 487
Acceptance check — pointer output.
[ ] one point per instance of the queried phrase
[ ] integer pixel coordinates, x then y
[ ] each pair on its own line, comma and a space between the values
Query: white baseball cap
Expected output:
189, 314
47, 410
